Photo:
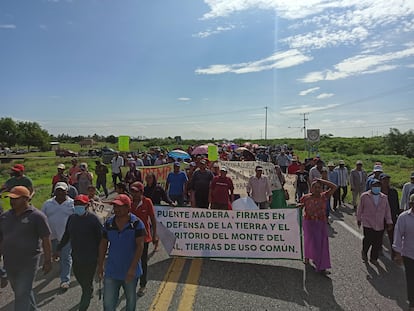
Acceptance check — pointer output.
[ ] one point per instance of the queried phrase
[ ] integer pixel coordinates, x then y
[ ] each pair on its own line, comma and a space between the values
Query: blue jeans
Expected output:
111, 294
65, 260
21, 280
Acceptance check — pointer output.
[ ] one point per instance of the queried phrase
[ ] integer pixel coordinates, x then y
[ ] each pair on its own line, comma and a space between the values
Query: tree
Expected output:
8, 132
111, 139
31, 134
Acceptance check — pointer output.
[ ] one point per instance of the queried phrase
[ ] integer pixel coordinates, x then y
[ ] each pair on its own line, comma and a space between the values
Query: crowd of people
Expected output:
66, 228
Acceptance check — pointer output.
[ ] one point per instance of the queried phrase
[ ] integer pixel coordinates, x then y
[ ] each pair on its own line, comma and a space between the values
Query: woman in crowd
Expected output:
278, 192
154, 191
315, 229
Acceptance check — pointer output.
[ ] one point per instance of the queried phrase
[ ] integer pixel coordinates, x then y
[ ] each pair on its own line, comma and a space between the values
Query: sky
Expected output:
206, 69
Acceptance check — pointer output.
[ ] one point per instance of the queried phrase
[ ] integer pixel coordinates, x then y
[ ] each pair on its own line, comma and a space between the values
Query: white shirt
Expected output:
259, 188
57, 216
116, 164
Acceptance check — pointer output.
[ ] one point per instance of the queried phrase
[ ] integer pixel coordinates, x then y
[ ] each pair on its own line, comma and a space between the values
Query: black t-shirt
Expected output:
201, 180
84, 233
303, 178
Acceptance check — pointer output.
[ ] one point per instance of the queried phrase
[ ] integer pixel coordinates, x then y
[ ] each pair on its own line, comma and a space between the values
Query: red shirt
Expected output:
220, 187
144, 212
314, 207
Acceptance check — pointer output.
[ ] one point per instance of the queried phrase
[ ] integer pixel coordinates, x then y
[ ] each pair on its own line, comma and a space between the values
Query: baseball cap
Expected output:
61, 166
223, 168
18, 168
83, 198
377, 168
259, 168
359, 162
176, 163
216, 164
61, 185
375, 181
330, 164
193, 164
203, 161
137, 186
18, 192
412, 175
122, 200
341, 162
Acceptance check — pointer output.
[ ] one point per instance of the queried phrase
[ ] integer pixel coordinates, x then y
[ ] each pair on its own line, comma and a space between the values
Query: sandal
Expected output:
141, 291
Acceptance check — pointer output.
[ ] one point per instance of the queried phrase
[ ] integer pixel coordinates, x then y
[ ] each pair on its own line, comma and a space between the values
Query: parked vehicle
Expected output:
66, 153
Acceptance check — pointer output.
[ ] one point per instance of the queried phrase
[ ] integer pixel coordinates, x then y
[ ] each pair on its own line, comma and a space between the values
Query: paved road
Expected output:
210, 284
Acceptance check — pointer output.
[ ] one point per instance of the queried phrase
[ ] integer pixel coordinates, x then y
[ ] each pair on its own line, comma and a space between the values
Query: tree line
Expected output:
31, 134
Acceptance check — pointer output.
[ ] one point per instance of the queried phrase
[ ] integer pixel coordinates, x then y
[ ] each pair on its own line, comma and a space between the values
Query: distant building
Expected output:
54, 145
86, 142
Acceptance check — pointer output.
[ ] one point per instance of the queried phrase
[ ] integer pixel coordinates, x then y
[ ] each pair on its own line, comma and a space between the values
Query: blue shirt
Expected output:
122, 246
176, 182
333, 177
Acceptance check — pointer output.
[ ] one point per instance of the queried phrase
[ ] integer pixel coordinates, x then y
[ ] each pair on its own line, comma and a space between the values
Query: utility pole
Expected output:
304, 133
266, 124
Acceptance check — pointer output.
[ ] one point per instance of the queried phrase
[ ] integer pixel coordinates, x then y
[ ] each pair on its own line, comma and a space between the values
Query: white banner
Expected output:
241, 171
271, 234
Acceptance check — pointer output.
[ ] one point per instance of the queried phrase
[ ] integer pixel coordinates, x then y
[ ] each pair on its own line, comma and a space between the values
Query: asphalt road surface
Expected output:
230, 284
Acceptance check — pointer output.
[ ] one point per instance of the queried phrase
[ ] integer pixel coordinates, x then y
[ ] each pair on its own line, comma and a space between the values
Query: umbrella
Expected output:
179, 154
241, 149
203, 149
248, 156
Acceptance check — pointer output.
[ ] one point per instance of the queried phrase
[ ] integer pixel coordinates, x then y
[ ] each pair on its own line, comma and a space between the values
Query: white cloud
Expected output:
278, 60
410, 66
307, 109
308, 91
323, 38
183, 99
400, 119
359, 65
291, 9
215, 31
324, 95
7, 26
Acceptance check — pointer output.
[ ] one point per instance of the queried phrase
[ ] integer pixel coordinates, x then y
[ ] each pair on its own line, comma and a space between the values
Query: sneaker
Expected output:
325, 272
374, 262
141, 291
64, 285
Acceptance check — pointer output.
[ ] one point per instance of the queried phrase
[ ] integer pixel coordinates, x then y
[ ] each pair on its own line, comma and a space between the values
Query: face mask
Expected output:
376, 190
80, 210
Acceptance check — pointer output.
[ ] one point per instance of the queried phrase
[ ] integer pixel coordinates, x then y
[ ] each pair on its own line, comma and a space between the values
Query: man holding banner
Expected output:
258, 188
200, 184
221, 191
